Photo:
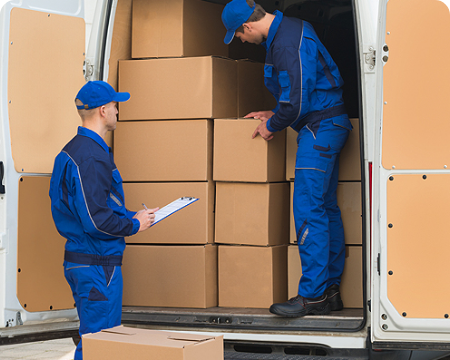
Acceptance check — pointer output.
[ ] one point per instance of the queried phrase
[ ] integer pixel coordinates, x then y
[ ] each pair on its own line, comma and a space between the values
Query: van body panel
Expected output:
410, 177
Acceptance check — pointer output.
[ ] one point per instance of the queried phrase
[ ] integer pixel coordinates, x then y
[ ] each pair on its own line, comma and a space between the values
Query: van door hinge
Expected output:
88, 69
2, 174
378, 263
369, 59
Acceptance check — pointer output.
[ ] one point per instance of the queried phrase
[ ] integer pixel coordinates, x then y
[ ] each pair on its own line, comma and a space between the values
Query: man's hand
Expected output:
261, 115
146, 218
264, 116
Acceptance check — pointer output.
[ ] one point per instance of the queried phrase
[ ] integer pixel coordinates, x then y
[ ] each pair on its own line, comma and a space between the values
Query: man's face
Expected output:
111, 115
250, 35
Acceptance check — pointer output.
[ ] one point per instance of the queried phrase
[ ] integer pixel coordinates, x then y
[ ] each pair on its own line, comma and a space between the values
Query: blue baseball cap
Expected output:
235, 13
97, 93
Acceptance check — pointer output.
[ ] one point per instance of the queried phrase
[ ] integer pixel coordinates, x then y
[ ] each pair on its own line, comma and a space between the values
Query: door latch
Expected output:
369, 58
2, 174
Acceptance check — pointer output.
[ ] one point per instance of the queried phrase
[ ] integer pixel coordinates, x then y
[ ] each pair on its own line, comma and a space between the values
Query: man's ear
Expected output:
102, 110
247, 26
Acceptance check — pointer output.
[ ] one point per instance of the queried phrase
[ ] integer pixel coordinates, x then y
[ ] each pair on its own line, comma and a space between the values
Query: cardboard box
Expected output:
174, 28
123, 342
192, 225
252, 276
349, 202
238, 157
351, 283
170, 276
252, 93
164, 150
252, 214
178, 88
350, 158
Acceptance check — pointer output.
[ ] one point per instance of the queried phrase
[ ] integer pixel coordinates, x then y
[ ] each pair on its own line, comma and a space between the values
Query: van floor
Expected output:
241, 319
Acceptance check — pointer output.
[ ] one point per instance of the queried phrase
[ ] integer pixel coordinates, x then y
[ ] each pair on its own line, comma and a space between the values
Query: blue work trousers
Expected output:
97, 291
320, 233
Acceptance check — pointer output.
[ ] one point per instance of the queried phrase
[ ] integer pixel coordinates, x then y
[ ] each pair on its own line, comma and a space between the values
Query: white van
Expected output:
392, 55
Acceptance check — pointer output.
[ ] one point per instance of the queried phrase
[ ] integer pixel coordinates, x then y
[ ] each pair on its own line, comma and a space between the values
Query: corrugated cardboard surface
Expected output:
252, 93
349, 202
351, 282
252, 276
42, 113
41, 285
138, 344
178, 88
191, 225
164, 150
349, 162
252, 214
121, 40
238, 157
170, 276
174, 28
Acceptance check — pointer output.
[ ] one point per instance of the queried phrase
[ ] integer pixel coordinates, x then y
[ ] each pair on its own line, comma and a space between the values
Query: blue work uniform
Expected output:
307, 85
88, 210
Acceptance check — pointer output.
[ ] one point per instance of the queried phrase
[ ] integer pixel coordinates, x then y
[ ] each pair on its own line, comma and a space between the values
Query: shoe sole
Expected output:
314, 311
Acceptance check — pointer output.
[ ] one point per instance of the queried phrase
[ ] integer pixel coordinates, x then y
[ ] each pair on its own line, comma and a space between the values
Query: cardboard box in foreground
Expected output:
122, 342
252, 276
351, 283
174, 28
238, 157
178, 88
164, 150
252, 213
170, 276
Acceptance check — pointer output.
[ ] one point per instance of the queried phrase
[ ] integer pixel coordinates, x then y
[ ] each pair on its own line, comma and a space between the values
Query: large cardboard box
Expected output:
170, 276
174, 28
164, 150
122, 342
351, 283
238, 157
349, 202
192, 225
349, 163
252, 93
252, 214
178, 88
252, 276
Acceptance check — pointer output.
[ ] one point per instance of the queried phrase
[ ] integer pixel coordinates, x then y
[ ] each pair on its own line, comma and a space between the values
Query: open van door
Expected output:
411, 183
41, 69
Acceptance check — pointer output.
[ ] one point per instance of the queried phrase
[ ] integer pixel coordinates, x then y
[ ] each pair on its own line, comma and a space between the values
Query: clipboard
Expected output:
173, 207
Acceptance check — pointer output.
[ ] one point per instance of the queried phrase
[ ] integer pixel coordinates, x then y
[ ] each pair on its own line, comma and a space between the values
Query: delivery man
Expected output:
306, 83
88, 209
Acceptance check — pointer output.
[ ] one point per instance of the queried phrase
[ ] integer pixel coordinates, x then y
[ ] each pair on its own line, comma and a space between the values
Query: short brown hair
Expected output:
257, 15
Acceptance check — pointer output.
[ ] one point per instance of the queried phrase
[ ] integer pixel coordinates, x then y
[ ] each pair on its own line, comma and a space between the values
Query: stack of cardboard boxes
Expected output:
185, 115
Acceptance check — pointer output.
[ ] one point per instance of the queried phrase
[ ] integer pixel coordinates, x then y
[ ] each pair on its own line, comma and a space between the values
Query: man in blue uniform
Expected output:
306, 83
88, 209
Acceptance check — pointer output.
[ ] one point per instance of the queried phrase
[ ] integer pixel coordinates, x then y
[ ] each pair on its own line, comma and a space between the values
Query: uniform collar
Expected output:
94, 136
273, 29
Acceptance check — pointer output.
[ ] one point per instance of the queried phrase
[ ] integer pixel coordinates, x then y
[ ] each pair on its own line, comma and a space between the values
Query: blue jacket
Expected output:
87, 198
300, 74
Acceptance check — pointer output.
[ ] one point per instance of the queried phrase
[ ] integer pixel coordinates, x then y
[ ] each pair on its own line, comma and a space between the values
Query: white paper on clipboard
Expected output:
173, 207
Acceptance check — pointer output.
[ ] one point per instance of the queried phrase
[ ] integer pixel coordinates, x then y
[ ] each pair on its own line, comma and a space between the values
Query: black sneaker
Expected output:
299, 306
334, 298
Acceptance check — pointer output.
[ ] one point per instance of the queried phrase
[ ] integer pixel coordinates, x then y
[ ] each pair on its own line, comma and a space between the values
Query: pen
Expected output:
145, 207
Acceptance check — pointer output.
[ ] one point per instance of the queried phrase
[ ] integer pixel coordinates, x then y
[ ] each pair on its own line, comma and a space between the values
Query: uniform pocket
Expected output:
311, 163
342, 122
285, 84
